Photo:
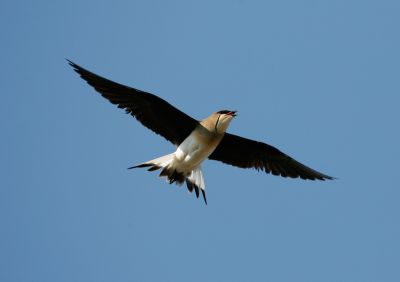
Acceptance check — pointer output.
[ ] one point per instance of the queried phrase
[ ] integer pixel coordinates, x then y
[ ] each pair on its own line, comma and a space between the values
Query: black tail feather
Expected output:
173, 175
196, 189
191, 186
154, 167
204, 195
139, 166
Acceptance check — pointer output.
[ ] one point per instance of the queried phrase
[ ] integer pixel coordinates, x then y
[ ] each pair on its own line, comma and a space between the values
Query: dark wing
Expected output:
246, 153
152, 111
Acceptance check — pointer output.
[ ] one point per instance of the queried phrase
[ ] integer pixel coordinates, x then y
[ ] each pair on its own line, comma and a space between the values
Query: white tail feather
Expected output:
160, 162
194, 179
197, 178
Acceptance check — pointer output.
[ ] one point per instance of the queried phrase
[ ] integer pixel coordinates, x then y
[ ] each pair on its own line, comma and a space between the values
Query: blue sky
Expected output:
317, 79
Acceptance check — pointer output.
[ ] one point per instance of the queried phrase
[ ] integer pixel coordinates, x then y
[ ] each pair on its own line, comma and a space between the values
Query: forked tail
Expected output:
194, 179
195, 182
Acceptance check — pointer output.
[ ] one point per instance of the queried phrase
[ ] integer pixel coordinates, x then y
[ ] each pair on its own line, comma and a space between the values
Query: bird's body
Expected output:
195, 141
197, 147
185, 163
202, 141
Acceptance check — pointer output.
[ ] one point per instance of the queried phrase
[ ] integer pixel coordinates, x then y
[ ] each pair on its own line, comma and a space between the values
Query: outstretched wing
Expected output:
152, 111
246, 153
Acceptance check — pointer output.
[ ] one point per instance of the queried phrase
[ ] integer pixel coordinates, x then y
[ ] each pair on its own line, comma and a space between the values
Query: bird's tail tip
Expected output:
140, 165
156, 163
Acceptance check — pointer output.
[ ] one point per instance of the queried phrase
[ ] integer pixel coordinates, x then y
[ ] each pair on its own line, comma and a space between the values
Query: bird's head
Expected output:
222, 120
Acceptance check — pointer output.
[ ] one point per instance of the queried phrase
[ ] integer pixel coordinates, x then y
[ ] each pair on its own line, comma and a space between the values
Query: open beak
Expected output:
232, 113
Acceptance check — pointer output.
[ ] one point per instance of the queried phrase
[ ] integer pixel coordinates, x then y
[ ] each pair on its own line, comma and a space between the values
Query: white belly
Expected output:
191, 153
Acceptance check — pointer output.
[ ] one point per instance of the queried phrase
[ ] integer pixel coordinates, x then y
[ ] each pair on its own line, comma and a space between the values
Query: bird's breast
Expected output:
195, 149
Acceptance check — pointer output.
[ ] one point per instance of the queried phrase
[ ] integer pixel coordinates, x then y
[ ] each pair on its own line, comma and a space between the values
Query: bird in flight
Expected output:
195, 140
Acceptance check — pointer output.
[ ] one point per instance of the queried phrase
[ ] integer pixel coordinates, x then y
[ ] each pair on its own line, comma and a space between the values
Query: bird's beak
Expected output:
232, 113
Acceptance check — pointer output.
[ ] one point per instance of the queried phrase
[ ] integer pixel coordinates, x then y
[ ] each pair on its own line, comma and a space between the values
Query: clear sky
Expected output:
317, 79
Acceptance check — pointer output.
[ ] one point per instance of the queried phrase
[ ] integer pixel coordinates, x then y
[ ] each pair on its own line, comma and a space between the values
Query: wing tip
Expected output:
304, 175
321, 177
71, 63
327, 177
76, 67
